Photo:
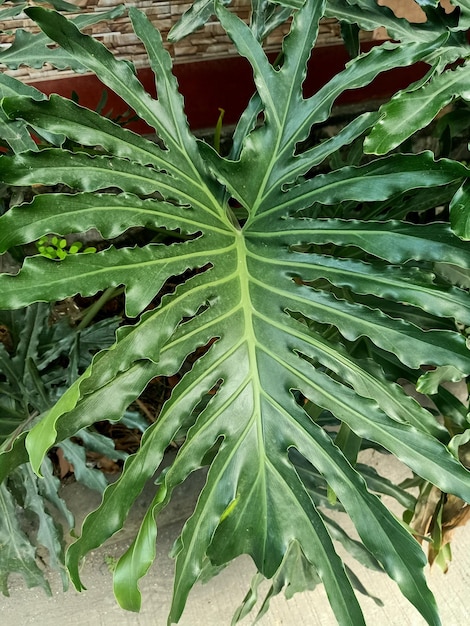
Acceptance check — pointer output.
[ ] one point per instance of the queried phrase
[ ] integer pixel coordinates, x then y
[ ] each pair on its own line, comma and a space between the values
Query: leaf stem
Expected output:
91, 312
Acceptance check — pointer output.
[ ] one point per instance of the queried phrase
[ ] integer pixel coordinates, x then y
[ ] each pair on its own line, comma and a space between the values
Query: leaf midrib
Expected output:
329, 271
336, 355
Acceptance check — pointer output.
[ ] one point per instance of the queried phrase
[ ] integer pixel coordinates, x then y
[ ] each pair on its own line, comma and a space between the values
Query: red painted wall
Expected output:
227, 83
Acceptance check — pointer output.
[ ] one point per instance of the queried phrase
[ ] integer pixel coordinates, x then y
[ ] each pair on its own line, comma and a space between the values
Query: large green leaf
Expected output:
464, 13
32, 376
369, 15
265, 17
460, 212
12, 11
16, 132
280, 305
16, 135
37, 494
17, 554
410, 111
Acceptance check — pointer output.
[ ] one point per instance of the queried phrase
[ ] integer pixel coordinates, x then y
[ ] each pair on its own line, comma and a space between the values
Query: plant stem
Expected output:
91, 312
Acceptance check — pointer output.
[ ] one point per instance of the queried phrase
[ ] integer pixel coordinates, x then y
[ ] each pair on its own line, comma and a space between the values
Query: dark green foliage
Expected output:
300, 296
38, 360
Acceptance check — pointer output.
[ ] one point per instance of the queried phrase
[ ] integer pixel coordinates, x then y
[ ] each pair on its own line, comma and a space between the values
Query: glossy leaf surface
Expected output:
284, 297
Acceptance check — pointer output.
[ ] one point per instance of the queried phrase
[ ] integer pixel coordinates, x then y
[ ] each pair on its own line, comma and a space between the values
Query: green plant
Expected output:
34, 49
38, 361
300, 295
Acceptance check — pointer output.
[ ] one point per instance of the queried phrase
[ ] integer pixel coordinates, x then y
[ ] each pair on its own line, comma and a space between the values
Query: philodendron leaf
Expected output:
75, 454
16, 135
410, 111
455, 275
49, 532
263, 306
34, 49
427, 3
194, 18
201, 11
10, 86
460, 212
17, 553
369, 15
60, 5
459, 440
294, 574
464, 16
429, 382
11, 11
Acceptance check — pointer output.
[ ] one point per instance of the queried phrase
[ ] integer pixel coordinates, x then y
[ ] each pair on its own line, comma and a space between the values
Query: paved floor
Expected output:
213, 604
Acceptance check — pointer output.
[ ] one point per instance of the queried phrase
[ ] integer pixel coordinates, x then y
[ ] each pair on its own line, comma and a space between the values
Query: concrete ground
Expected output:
213, 604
